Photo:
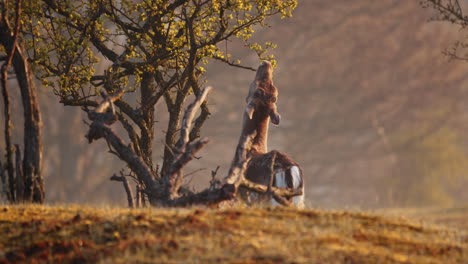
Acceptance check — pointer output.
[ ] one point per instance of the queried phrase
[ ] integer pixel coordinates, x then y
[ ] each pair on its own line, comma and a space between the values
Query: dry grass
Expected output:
454, 217
77, 234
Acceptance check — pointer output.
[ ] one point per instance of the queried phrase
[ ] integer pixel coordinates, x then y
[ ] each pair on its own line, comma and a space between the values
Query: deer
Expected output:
260, 110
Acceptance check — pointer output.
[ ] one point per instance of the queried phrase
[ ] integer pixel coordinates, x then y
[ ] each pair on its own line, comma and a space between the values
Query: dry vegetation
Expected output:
456, 217
77, 234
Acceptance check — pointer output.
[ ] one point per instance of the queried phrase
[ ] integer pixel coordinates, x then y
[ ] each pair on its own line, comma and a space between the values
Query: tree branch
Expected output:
206, 197
231, 183
99, 128
260, 188
172, 180
239, 163
72, 102
94, 38
155, 98
205, 112
124, 181
188, 117
233, 64
131, 134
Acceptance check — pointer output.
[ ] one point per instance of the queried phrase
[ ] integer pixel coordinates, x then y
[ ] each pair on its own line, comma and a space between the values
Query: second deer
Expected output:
260, 110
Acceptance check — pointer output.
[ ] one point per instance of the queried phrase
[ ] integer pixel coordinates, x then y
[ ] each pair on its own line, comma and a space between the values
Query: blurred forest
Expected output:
371, 109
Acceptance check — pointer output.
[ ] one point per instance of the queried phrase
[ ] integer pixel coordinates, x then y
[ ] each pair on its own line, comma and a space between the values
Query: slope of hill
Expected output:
85, 234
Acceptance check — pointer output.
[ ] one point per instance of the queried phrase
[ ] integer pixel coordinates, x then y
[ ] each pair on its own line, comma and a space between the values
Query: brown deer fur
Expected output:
260, 109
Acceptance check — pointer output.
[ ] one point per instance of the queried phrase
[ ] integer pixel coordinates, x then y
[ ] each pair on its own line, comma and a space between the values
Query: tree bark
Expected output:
3, 181
174, 109
127, 188
137, 165
19, 176
147, 134
99, 129
9, 148
184, 149
32, 161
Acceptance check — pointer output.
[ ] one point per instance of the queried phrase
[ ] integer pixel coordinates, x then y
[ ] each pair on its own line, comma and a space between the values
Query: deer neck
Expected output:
260, 142
259, 124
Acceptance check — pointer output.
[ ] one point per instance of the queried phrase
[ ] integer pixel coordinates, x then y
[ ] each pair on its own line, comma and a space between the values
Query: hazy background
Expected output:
371, 109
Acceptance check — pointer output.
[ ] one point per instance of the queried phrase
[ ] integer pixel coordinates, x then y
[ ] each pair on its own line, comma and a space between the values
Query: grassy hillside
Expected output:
77, 234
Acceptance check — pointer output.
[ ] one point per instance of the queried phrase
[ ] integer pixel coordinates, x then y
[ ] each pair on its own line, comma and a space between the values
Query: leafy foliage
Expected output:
163, 38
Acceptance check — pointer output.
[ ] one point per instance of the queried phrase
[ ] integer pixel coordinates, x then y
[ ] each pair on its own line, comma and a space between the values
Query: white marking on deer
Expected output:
298, 201
280, 182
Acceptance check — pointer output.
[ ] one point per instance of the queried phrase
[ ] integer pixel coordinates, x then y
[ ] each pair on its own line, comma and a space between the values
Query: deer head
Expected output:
263, 94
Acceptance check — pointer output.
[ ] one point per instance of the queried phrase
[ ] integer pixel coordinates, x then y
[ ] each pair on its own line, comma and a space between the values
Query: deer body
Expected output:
260, 110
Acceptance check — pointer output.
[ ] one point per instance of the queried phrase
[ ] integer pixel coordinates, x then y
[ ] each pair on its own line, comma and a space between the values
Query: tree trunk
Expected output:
32, 161
9, 148
174, 109
147, 134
